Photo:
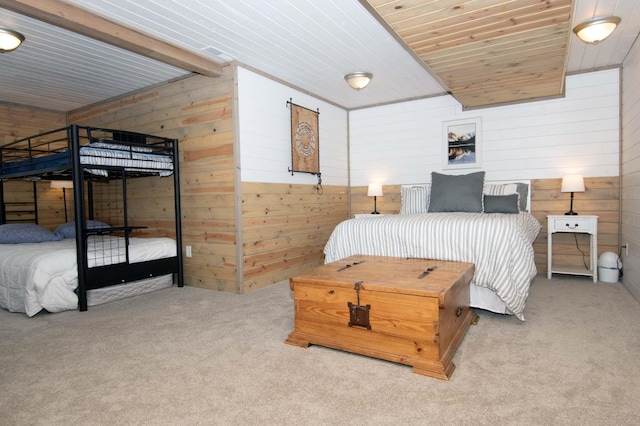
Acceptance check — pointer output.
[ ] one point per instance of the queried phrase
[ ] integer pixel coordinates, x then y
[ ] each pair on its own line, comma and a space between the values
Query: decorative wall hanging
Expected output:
305, 141
462, 143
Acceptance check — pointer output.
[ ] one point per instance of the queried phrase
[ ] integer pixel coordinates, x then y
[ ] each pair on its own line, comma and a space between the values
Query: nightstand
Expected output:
359, 215
578, 225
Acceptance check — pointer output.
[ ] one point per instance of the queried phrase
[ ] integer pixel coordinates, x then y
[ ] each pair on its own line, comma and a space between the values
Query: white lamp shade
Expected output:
67, 184
375, 190
572, 183
596, 30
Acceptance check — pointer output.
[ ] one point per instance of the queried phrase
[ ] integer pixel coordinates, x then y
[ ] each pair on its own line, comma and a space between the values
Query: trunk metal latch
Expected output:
359, 315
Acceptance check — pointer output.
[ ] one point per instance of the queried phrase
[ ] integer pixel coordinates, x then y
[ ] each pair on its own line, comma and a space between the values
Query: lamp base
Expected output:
571, 212
375, 206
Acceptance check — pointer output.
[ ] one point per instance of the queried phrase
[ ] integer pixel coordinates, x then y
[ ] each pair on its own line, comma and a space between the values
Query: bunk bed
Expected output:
98, 253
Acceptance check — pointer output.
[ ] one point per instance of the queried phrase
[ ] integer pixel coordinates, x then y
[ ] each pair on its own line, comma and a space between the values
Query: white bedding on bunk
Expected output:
500, 246
44, 275
102, 155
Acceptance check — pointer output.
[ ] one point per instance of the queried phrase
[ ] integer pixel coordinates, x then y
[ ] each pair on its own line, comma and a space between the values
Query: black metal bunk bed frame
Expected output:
38, 147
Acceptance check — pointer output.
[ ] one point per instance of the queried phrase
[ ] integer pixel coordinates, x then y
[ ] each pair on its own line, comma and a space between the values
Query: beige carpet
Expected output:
191, 356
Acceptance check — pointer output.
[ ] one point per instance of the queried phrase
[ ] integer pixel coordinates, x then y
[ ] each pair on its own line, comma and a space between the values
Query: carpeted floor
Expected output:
186, 356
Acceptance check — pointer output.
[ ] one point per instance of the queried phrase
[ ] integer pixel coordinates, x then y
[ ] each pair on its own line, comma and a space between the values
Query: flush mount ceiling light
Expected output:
358, 80
9, 40
597, 29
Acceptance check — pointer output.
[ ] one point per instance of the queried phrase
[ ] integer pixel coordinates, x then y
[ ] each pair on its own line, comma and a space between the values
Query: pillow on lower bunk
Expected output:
68, 230
19, 233
456, 193
501, 204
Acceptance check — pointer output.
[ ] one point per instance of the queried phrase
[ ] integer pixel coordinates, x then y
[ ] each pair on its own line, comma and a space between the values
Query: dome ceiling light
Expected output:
596, 30
358, 80
9, 40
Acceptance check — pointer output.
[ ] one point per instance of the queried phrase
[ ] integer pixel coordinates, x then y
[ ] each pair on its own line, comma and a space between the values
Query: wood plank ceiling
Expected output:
486, 52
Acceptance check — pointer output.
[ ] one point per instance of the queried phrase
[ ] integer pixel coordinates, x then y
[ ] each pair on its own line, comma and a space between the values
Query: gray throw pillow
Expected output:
523, 190
456, 193
501, 204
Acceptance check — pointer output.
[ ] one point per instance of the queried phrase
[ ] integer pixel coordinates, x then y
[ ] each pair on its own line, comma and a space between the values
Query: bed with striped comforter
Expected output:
500, 246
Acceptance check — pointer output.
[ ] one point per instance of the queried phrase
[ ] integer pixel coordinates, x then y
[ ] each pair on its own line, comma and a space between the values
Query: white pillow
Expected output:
414, 199
503, 189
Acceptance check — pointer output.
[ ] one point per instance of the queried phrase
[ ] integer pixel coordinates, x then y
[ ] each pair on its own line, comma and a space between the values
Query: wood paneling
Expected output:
50, 203
20, 122
486, 52
285, 228
389, 203
198, 111
601, 198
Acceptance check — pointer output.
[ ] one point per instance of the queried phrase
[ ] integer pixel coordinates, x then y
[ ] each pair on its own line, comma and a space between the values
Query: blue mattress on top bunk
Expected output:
36, 163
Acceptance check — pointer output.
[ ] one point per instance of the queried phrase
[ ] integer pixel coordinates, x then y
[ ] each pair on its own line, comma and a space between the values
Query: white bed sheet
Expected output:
45, 275
500, 246
130, 160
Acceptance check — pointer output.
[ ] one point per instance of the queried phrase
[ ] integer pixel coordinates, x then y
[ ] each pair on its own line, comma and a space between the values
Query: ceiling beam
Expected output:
82, 21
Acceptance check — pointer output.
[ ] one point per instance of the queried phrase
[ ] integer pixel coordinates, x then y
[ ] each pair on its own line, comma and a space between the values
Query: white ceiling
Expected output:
311, 44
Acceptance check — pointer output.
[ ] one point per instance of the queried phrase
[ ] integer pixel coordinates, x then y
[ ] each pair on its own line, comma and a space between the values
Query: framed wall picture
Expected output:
462, 141
305, 141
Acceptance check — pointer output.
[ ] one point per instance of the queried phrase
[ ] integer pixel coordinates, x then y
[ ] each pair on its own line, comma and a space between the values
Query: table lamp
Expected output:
572, 183
375, 190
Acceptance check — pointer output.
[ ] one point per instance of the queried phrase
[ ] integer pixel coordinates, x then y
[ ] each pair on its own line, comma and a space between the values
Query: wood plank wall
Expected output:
285, 228
601, 198
50, 203
389, 203
198, 112
19, 122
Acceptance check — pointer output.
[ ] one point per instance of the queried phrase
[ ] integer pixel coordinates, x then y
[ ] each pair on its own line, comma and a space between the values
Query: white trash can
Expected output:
609, 266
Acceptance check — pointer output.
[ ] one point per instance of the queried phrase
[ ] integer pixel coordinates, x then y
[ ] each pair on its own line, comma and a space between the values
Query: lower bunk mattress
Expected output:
44, 275
112, 293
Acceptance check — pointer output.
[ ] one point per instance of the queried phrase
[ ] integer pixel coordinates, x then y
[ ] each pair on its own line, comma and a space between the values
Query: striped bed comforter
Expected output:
500, 246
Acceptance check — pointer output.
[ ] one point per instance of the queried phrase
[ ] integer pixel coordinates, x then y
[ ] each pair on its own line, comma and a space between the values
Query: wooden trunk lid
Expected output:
419, 277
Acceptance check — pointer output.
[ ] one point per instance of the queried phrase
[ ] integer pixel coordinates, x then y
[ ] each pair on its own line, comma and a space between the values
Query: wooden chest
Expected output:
410, 311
